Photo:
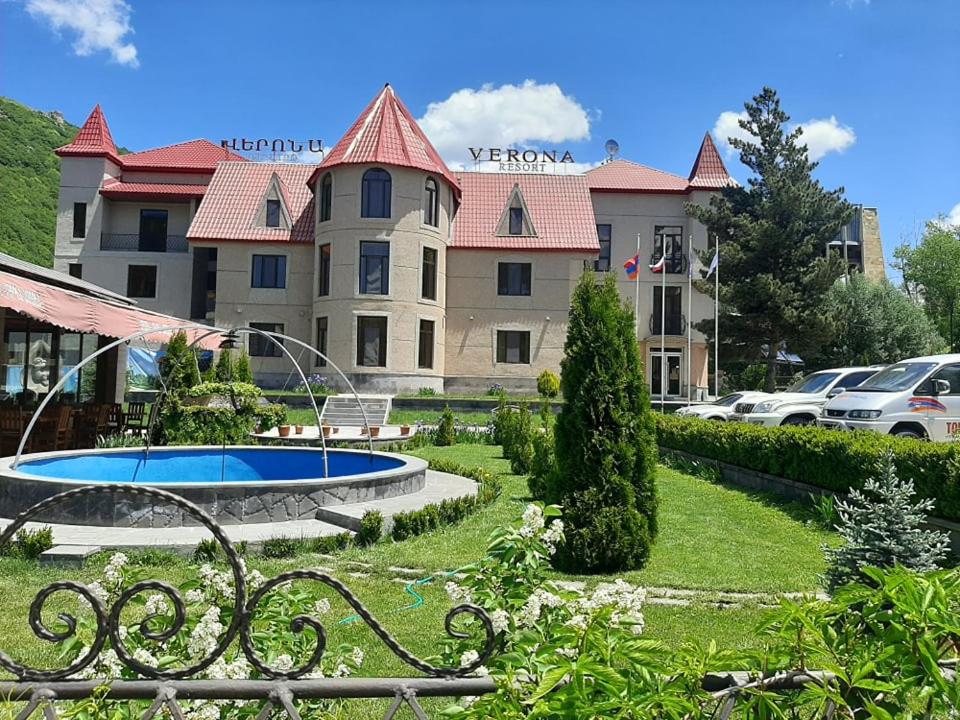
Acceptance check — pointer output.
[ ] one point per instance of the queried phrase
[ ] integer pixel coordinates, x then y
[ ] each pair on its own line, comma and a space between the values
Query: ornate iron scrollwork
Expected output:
108, 620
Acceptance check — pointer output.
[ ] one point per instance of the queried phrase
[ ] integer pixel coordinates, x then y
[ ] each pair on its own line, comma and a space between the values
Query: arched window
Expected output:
326, 197
375, 194
431, 208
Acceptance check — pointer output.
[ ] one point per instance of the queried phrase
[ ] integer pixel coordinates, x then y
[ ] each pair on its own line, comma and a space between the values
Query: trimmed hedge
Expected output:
450, 511
829, 459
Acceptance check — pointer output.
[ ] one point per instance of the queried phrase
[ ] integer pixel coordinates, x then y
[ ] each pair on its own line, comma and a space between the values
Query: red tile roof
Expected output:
194, 156
386, 134
626, 176
93, 139
145, 191
709, 172
559, 205
233, 200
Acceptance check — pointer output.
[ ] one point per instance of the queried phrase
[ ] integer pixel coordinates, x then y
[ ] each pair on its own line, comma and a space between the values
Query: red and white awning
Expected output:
82, 313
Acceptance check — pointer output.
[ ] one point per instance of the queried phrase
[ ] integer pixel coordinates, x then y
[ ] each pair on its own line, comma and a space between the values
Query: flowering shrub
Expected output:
316, 383
495, 389
209, 600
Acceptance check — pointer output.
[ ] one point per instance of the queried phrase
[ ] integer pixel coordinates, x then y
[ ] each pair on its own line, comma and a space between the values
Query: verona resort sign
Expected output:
513, 160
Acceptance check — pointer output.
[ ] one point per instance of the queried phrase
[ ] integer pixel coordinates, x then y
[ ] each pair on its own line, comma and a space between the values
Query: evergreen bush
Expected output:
548, 384
882, 527
371, 528
178, 366
446, 432
223, 371
606, 457
241, 368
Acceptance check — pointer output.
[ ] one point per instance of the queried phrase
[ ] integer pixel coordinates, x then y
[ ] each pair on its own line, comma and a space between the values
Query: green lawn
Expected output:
712, 538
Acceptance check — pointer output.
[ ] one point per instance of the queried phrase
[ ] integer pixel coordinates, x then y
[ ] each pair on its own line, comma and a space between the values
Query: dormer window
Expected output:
273, 213
516, 221
431, 206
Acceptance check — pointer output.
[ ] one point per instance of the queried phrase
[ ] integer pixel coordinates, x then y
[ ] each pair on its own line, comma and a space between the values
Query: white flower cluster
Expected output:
458, 593
321, 606
532, 521
203, 638
533, 607
500, 619
113, 572
553, 535
219, 584
157, 605
626, 600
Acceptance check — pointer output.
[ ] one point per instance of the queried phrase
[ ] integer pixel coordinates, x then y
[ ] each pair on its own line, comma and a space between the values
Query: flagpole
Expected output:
664, 380
716, 323
689, 319
636, 282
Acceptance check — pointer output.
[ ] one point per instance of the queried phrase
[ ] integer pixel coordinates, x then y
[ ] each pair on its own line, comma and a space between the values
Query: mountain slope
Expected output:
30, 180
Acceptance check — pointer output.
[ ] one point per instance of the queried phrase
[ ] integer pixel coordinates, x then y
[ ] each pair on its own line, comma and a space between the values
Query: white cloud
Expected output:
826, 136
952, 218
525, 115
821, 137
99, 24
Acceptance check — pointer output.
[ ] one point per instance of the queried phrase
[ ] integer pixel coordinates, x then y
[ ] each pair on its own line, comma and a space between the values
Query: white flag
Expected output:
713, 264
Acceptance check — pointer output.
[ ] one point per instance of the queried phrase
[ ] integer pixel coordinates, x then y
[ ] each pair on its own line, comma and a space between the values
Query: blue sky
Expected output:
877, 80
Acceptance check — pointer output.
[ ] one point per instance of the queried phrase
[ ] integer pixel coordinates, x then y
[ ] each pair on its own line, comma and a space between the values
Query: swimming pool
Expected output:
234, 485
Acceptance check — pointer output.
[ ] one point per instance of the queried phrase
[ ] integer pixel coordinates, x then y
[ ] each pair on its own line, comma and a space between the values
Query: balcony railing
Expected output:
676, 324
674, 265
114, 242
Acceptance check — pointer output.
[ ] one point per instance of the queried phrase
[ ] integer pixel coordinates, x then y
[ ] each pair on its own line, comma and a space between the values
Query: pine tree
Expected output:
178, 367
605, 450
241, 368
773, 235
881, 526
224, 368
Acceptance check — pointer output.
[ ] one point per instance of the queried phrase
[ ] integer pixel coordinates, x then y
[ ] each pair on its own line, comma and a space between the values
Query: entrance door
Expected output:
669, 383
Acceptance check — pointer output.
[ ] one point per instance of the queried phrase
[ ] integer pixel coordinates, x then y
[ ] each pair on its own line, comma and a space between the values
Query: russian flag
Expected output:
658, 266
632, 266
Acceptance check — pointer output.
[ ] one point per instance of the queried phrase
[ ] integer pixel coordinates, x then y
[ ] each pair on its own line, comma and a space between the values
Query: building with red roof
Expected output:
401, 272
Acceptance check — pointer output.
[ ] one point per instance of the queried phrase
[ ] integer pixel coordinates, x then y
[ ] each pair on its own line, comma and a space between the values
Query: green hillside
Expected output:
30, 180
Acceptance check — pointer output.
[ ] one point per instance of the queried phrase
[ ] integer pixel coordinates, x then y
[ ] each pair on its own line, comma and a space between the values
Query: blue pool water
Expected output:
204, 466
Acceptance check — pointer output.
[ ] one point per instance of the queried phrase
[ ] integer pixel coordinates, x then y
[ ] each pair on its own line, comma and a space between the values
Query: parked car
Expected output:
918, 398
722, 408
802, 402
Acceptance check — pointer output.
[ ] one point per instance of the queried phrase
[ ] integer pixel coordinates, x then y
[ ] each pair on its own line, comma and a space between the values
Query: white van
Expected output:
802, 402
918, 398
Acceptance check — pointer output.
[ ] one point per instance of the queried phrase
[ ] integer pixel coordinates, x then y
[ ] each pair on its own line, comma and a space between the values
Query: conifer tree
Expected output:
606, 455
881, 526
241, 368
224, 368
773, 236
178, 367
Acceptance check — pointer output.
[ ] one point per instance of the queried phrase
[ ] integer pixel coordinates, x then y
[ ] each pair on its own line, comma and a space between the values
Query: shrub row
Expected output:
830, 459
29, 544
451, 511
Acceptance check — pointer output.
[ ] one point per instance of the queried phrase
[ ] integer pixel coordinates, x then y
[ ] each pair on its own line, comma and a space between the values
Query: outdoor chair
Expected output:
11, 429
114, 425
135, 418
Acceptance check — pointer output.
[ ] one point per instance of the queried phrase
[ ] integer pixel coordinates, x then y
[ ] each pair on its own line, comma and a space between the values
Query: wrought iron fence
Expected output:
126, 242
165, 687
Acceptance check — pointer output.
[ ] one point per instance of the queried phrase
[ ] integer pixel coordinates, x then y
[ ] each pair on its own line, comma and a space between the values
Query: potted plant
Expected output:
326, 430
374, 431
283, 431
404, 429
299, 429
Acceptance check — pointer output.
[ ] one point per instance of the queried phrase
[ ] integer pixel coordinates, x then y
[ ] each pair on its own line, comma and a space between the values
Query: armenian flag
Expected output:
632, 266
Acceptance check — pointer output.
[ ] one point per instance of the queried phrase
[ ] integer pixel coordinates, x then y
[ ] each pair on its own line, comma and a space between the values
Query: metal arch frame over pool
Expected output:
228, 502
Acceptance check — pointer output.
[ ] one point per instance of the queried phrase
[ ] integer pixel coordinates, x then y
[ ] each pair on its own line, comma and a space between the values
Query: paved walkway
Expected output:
438, 487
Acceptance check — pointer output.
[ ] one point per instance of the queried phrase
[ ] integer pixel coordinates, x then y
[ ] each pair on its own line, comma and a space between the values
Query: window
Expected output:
75, 270
431, 207
153, 231
371, 341
425, 345
269, 271
668, 240
950, 373
516, 221
79, 220
375, 194
321, 341
513, 346
261, 346
375, 268
326, 197
675, 322
602, 263
273, 213
513, 279
142, 281
855, 378
323, 272
428, 289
